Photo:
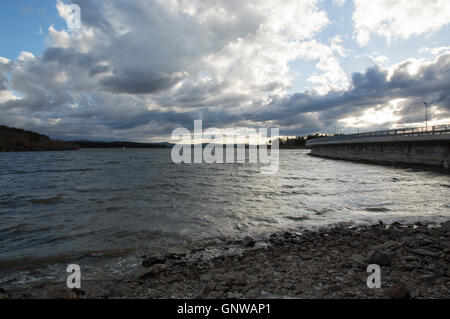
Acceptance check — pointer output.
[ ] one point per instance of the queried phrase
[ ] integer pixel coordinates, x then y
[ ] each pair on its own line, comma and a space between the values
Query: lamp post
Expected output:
426, 114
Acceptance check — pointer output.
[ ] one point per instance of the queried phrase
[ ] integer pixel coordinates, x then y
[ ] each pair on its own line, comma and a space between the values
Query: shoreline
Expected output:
330, 263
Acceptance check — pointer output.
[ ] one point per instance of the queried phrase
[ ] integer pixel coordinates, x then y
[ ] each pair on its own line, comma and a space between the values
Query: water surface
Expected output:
59, 207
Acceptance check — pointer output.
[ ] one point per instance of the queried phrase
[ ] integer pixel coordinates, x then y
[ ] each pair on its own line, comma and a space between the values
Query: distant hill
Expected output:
18, 140
90, 144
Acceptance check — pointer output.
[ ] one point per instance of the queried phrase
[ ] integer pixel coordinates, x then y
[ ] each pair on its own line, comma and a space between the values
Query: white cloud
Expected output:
435, 51
333, 76
398, 19
377, 58
339, 2
7, 95
26, 56
4, 60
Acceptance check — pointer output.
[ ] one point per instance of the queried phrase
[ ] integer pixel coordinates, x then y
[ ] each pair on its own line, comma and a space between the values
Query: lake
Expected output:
107, 207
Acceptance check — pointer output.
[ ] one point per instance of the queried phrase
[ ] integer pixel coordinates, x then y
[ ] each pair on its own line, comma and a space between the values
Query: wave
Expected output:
378, 209
46, 201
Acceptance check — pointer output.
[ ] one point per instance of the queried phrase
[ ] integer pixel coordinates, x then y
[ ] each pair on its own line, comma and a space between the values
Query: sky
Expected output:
137, 70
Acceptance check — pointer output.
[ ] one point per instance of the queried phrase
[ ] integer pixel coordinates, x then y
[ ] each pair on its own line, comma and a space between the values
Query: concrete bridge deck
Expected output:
421, 134
412, 146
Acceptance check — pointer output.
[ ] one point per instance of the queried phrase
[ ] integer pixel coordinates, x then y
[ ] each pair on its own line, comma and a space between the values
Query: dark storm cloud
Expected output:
3, 83
68, 57
4, 68
139, 82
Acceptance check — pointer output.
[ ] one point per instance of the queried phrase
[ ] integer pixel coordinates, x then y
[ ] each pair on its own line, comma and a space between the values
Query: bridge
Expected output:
422, 146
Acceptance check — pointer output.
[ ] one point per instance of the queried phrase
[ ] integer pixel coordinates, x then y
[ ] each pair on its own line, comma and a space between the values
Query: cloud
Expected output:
25, 56
435, 51
339, 2
376, 87
398, 19
169, 56
377, 58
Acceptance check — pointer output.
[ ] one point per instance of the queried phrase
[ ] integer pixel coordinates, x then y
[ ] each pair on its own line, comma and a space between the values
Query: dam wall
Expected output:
425, 147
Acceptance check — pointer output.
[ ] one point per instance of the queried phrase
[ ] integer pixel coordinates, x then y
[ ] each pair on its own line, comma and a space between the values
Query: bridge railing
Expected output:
416, 131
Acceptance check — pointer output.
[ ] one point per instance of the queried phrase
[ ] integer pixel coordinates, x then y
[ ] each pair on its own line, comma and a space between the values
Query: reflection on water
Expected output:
56, 206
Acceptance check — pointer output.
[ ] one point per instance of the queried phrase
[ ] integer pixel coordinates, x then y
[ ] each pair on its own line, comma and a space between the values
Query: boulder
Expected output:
148, 262
152, 271
398, 291
380, 258
248, 242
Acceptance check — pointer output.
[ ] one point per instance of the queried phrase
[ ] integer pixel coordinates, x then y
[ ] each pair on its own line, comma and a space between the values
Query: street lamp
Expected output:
426, 114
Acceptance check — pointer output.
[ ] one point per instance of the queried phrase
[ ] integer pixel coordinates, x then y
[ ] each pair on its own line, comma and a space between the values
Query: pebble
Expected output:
398, 291
248, 242
380, 258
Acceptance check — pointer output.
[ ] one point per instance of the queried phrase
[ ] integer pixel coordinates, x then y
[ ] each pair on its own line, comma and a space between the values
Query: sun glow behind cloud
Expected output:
379, 115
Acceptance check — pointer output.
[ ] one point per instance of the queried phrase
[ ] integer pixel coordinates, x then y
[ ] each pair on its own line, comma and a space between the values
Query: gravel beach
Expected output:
329, 263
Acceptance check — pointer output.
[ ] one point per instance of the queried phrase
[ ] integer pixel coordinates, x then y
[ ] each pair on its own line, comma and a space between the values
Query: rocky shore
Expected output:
329, 263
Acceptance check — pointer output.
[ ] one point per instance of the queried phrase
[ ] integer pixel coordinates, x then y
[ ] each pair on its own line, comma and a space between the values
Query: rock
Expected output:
368, 235
4, 294
94, 291
416, 242
389, 245
221, 288
410, 258
175, 256
152, 271
248, 242
428, 278
334, 288
398, 291
267, 295
234, 295
306, 256
291, 259
216, 295
203, 292
230, 278
410, 266
380, 258
197, 250
424, 252
121, 291
445, 227
206, 277
359, 260
148, 262
61, 294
